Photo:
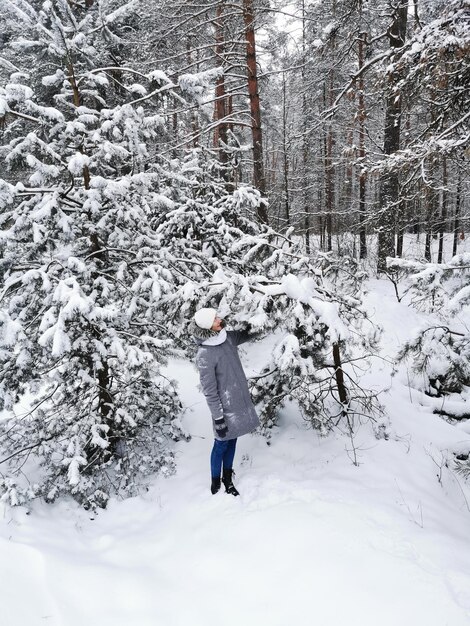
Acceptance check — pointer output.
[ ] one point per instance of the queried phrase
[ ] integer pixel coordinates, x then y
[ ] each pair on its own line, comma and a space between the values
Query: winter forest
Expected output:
301, 167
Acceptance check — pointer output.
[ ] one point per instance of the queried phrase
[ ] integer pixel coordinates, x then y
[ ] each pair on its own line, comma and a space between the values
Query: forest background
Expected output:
262, 158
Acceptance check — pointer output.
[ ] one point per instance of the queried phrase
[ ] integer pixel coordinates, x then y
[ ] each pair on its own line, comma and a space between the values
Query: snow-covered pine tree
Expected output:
107, 250
207, 231
327, 332
434, 68
440, 351
262, 281
80, 279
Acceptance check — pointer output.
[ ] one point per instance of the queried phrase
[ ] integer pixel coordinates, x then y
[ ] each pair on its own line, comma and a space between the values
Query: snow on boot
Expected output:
215, 485
227, 480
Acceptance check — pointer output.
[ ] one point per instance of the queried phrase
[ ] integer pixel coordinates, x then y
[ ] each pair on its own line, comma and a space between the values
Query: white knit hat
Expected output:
204, 318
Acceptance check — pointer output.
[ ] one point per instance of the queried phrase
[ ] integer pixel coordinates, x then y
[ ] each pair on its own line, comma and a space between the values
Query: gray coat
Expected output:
224, 384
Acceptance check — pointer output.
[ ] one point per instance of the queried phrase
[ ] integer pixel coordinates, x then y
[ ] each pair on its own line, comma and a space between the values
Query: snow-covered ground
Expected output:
312, 539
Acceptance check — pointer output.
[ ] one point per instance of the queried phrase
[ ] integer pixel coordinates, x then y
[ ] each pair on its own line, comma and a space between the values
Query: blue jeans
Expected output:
222, 452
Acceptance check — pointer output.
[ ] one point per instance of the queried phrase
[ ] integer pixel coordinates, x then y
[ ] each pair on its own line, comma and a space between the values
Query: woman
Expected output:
225, 387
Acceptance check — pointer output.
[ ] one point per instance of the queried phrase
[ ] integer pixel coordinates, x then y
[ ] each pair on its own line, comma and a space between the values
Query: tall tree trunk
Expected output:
389, 184
220, 132
457, 216
329, 188
194, 118
285, 151
255, 110
175, 135
346, 198
229, 102
427, 247
330, 142
443, 217
402, 219
402, 211
430, 211
362, 153
305, 146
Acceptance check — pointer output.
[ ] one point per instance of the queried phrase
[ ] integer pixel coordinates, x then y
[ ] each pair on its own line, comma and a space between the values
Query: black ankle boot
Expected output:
215, 485
227, 480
